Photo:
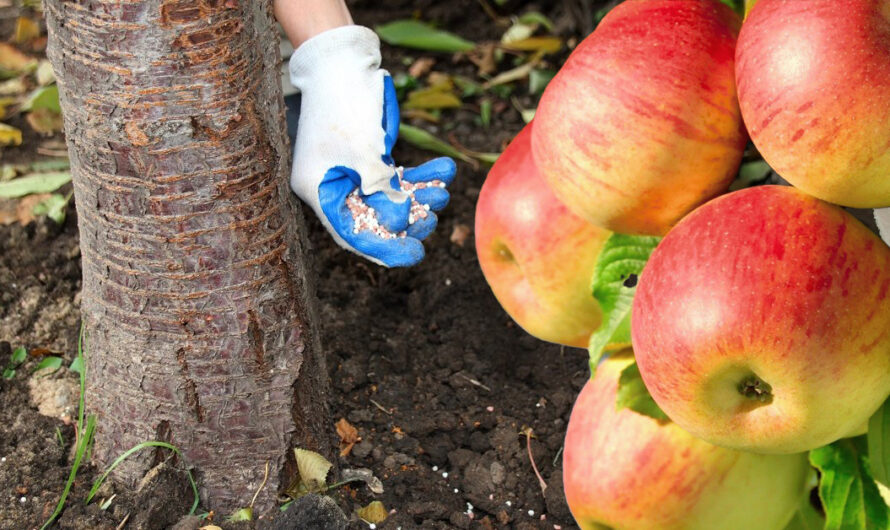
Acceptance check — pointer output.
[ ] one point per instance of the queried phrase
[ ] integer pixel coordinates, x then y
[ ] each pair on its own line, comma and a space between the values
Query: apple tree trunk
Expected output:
198, 310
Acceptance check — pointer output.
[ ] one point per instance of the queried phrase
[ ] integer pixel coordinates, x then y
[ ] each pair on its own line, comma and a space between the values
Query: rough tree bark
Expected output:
198, 310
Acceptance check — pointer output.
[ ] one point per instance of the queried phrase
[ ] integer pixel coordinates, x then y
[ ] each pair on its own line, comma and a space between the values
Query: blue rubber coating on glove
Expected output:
392, 215
391, 118
340, 181
422, 228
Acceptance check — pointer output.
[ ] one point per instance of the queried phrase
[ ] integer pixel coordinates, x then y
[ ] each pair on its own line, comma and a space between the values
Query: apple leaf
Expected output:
614, 283
737, 5
421, 36
879, 443
633, 394
849, 494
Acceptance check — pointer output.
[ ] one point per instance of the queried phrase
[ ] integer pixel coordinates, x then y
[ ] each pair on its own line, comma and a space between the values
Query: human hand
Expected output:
343, 167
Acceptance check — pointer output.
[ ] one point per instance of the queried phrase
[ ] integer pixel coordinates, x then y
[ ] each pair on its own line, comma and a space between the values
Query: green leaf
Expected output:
737, 5
485, 112
879, 443
538, 79
535, 17
421, 36
751, 173
50, 364
633, 394
424, 140
8, 373
126, 454
34, 183
52, 207
45, 97
76, 365
244, 514
848, 492
615, 278
18, 356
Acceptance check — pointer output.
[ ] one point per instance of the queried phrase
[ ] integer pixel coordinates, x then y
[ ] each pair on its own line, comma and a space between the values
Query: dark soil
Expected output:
425, 364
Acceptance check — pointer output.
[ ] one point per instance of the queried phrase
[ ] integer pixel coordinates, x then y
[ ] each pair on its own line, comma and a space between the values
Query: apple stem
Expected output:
753, 387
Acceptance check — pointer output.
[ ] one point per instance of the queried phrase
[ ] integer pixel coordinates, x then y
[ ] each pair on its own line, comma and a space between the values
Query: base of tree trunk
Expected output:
200, 316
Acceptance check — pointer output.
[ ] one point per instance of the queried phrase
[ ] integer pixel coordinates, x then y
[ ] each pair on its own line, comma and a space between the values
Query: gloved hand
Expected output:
343, 168
882, 218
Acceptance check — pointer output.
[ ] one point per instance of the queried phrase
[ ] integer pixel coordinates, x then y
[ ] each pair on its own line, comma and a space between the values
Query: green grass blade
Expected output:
85, 436
134, 449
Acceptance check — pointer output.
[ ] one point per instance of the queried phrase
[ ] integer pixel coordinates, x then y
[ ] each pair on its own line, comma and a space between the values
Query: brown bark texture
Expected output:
198, 309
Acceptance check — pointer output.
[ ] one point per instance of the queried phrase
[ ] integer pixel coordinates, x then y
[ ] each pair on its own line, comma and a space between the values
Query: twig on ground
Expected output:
123, 522
265, 479
529, 432
473, 381
381, 407
558, 453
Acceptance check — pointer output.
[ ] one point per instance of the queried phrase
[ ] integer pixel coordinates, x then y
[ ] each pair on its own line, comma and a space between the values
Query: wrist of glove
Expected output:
343, 166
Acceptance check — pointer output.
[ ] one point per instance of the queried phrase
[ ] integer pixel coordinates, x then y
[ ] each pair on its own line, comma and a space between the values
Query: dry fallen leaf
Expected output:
9, 135
45, 121
313, 469
421, 67
374, 513
348, 436
26, 30
20, 210
459, 234
13, 59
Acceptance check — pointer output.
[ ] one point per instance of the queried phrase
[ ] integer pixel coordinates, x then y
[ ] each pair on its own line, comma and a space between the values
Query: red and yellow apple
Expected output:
625, 470
762, 322
642, 123
814, 89
537, 256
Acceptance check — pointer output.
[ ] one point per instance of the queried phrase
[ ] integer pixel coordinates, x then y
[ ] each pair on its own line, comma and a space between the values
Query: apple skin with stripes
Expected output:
537, 257
762, 322
814, 88
622, 469
642, 123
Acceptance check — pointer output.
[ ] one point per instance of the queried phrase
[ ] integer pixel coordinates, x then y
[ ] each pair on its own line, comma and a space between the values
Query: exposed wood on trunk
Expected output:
199, 312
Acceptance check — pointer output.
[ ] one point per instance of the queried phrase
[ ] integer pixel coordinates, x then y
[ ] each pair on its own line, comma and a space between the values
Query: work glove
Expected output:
882, 218
343, 168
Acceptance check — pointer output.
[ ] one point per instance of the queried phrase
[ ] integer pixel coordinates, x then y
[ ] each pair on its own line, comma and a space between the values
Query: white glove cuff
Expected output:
354, 48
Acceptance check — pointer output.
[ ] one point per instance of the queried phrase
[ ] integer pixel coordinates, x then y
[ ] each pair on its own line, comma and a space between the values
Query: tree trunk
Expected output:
199, 314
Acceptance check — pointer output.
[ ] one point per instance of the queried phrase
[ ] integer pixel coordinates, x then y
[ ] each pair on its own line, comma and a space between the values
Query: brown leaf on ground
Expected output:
20, 210
348, 436
13, 59
374, 513
26, 29
421, 67
459, 234
45, 121
483, 58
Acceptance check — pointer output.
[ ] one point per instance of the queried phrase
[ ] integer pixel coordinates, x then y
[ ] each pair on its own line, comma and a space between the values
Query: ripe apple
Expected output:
537, 256
642, 123
625, 470
814, 89
762, 322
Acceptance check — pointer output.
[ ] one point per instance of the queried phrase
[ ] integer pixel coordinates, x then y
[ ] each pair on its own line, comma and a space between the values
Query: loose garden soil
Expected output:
438, 380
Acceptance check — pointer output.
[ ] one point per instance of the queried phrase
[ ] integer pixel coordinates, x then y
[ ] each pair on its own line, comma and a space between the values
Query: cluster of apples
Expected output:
761, 323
